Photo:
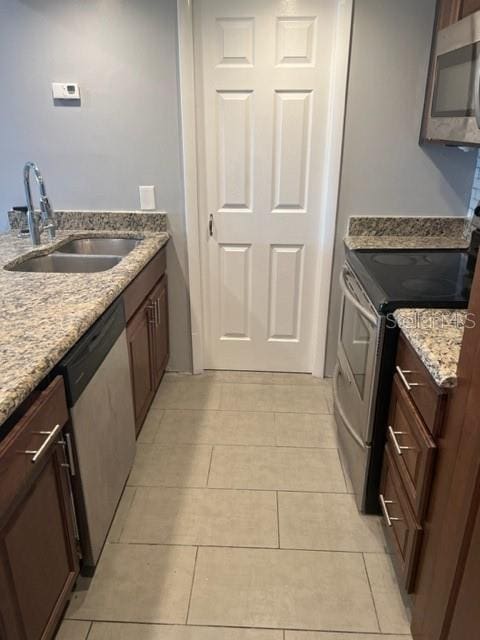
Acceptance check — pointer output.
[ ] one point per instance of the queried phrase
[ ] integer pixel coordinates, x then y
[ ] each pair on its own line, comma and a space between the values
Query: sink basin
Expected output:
63, 263
99, 246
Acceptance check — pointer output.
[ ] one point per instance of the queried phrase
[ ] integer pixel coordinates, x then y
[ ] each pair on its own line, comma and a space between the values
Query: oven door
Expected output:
454, 113
358, 352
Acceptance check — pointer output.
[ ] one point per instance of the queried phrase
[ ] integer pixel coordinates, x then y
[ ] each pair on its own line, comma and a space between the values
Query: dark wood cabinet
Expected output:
469, 7
412, 447
402, 528
160, 346
417, 408
146, 306
38, 554
139, 336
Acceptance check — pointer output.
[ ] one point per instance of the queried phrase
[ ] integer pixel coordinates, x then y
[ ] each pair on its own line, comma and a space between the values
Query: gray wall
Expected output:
384, 169
123, 54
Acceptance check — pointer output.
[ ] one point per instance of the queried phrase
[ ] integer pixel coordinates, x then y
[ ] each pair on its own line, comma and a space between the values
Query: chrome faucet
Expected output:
37, 224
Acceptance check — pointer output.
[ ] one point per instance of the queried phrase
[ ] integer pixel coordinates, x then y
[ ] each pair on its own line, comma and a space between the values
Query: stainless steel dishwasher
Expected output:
97, 379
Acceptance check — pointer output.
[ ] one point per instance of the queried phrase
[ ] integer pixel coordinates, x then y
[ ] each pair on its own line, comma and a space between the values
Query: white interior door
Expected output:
262, 83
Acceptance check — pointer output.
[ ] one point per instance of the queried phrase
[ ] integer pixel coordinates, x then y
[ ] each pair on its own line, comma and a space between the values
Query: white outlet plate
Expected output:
65, 91
147, 197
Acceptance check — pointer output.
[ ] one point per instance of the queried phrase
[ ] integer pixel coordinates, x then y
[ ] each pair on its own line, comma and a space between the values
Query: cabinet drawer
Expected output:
16, 466
427, 397
402, 528
412, 447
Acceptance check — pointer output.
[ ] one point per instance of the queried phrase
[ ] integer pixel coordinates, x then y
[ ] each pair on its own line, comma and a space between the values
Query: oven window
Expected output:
454, 84
356, 337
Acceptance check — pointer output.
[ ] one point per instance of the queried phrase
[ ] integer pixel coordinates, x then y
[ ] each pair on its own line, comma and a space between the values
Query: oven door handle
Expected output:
349, 295
343, 416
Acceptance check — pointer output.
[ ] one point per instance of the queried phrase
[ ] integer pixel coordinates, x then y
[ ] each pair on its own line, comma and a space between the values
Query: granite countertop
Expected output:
42, 315
407, 232
436, 336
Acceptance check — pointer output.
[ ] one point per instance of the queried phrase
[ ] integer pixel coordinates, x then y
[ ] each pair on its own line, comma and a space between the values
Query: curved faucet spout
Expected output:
35, 225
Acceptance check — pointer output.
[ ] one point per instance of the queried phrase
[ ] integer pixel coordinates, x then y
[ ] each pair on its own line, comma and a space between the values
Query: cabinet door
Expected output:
160, 342
38, 559
413, 447
140, 331
469, 7
401, 526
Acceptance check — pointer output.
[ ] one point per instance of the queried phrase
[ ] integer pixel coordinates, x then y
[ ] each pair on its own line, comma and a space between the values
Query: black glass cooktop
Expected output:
410, 278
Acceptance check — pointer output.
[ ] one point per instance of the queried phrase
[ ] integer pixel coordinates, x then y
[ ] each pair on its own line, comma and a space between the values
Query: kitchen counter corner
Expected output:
436, 336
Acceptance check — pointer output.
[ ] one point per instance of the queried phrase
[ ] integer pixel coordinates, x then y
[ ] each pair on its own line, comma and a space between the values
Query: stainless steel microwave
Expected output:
454, 110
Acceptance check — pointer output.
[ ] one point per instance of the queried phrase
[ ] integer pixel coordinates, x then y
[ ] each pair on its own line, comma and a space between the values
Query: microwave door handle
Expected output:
477, 93
348, 294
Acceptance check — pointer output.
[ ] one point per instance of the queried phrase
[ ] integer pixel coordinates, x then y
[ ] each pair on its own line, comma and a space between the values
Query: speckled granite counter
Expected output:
407, 232
42, 315
436, 336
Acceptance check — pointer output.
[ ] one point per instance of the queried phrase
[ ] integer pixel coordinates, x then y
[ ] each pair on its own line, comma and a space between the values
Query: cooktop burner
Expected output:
411, 278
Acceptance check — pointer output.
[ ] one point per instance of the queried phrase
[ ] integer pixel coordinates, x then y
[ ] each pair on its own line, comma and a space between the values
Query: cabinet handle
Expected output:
50, 436
388, 518
157, 307
151, 308
393, 435
408, 385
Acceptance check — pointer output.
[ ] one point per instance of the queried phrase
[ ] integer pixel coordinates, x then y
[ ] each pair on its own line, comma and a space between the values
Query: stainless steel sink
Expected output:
99, 246
63, 263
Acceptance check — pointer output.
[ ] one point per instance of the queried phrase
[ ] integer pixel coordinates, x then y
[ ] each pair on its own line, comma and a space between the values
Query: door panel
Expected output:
234, 151
235, 292
296, 41
286, 274
263, 92
291, 150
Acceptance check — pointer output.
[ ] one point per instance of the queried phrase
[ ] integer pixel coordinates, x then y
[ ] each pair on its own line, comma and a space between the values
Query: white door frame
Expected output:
333, 158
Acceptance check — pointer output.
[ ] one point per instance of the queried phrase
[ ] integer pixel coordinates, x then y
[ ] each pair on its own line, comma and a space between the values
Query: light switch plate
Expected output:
65, 91
147, 197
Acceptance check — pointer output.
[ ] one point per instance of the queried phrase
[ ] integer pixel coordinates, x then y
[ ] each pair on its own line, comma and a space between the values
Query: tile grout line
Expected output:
191, 586
89, 629
381, 636
170, 445
249, 548
371, 593
278, 519
210, 466
273, 410
174, 486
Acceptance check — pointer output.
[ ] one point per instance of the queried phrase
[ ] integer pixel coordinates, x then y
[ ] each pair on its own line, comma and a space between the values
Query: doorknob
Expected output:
210, 225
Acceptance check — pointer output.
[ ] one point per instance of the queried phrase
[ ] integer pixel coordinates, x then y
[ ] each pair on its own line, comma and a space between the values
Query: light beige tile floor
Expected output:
288, 468
112, 631
236, 524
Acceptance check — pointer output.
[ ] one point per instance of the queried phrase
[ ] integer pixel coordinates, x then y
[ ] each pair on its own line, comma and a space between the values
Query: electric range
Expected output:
374, 284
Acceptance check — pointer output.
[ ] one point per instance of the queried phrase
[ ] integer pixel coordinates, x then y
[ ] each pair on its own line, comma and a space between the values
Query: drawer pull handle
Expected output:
50, 436
408, 385
393, 435
388, 518
152, 308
